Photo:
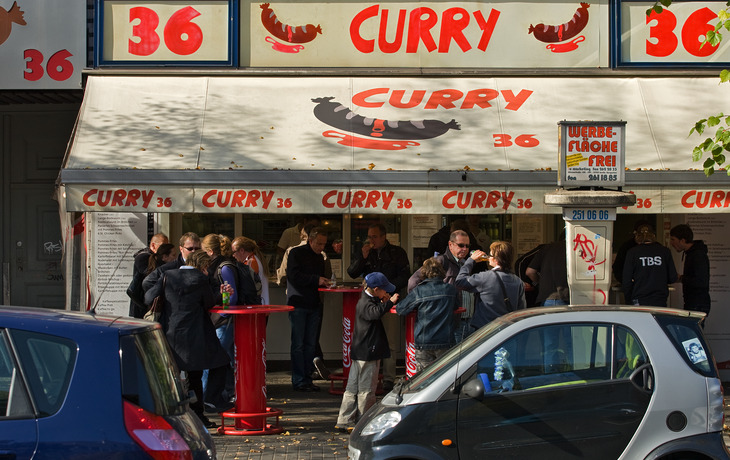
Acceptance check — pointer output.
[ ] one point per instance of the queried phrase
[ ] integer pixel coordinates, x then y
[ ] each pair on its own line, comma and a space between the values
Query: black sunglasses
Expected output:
462, 245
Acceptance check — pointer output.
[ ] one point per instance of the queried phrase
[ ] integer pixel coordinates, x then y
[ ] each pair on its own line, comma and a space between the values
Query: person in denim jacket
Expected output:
435, 302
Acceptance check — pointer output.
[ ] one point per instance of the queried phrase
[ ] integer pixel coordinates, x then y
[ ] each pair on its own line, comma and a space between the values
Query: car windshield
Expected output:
451, 358
150, 377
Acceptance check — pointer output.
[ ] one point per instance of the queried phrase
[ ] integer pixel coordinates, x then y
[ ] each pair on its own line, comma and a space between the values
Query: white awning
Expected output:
169, 144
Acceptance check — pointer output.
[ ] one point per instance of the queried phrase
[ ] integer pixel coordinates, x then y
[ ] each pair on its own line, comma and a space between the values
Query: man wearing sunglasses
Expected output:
452, 260
189, 243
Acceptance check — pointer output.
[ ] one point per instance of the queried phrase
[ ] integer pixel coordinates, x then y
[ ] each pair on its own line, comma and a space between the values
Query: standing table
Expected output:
411, 339
249, 336
350, 296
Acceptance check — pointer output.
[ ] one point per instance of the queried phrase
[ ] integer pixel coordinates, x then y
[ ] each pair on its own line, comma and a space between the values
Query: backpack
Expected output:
248, 283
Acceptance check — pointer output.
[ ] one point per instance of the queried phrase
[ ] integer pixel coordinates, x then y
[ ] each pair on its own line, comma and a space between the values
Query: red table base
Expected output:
350, 296
249, 336
248, 418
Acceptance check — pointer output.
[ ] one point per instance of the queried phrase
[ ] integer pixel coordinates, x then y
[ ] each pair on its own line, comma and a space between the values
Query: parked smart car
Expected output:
76, 385
602, 382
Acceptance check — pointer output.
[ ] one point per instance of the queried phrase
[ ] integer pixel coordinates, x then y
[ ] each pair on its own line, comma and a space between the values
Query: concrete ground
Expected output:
308, 421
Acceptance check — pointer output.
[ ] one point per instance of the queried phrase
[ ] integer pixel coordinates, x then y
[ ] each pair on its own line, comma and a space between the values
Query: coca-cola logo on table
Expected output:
346, 341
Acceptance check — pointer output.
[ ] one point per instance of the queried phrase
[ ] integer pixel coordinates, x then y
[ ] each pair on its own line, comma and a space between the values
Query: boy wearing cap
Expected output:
369, 346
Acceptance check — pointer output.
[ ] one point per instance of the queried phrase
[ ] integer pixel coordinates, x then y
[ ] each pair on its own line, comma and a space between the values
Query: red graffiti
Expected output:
588, 251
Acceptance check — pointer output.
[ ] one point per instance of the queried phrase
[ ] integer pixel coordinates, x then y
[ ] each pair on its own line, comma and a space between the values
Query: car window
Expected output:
150, 377
451, 358
14, 401
562, 354
47, 362
686, 336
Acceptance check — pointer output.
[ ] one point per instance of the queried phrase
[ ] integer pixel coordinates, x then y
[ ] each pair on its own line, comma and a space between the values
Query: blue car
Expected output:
76, 385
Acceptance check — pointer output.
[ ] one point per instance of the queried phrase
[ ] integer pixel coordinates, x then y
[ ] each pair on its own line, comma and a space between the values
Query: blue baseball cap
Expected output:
378, 280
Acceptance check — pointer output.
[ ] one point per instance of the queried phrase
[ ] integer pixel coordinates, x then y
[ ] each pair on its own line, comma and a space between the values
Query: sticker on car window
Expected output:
694, 350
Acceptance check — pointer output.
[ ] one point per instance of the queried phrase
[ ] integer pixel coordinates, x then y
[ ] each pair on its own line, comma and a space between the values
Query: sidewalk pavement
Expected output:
308, 421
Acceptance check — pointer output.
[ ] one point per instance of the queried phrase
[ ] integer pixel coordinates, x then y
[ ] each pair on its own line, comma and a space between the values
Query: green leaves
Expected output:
724, 75
712, 149
658, 6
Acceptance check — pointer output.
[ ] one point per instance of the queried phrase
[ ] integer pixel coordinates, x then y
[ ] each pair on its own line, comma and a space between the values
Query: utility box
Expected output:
589, 235
589, 217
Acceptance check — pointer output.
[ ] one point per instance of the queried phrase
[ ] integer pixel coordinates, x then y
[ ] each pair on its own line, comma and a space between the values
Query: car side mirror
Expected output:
474, 388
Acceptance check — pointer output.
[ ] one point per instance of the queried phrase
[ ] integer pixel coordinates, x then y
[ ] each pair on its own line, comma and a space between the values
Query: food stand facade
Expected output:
453, 122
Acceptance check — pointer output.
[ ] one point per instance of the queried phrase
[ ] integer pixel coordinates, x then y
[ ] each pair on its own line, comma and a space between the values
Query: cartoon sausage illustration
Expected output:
7, 18
287, 33
553, 34
340, 117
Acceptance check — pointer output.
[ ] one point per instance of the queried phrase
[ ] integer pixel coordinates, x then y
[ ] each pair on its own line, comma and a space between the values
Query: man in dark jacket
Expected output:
305, 273
648, 270
378, 255
189, 243
695, 277
548, 270
137, 308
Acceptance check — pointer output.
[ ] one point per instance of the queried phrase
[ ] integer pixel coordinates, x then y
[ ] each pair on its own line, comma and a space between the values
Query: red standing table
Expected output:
411, 339
350, 296
249, 336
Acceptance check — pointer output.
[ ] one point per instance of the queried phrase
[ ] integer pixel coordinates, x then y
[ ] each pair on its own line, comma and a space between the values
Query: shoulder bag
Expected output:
507, 302
155, 311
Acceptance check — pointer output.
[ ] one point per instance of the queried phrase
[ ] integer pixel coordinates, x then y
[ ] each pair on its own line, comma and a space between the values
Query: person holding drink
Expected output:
498, 290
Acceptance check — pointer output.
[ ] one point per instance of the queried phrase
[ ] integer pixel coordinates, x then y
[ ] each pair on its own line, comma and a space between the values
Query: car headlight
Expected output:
381, 423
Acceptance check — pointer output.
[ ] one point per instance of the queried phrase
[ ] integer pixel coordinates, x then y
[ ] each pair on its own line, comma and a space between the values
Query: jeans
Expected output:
359, 393
551, 302
216, 382
462, 330
424, 358
304, 325
225, 337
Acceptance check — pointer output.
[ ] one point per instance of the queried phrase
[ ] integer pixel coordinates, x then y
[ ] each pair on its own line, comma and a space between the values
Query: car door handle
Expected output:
643, 378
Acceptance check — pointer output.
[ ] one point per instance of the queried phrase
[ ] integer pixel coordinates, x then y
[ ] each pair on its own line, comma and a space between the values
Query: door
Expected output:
556, 392
32, 152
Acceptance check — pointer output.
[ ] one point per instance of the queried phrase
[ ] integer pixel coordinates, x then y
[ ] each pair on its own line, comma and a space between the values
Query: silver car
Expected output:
598, 382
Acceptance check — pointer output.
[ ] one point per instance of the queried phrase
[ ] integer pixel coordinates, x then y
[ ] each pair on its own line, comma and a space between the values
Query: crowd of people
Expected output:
460, 289
190, 280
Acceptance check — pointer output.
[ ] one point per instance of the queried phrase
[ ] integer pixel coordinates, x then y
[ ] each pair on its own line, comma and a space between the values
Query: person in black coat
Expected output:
305, 273
369, 346
648, 270
189, 242
695, 276
186, 323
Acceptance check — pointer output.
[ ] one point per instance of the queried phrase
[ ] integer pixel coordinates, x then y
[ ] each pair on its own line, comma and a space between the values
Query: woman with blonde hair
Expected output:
499, 291
222, 270
246, 251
